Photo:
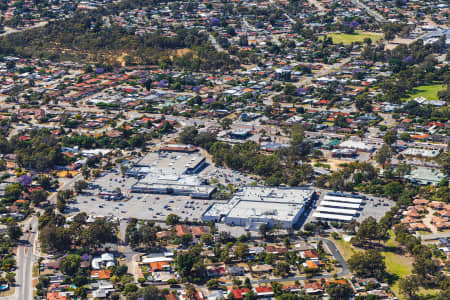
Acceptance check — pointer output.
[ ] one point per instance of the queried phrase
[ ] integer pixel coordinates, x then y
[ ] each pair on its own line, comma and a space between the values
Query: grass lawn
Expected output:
391, 242
345, 248
398, 264
430, 292
427, 91
358, 36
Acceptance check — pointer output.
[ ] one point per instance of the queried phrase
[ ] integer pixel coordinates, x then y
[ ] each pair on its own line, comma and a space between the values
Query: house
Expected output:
215, 271
292, 288
276, 249
195, 231
313, 288
239, 293
106, 260
263, 291
309, 254
312, 265
59, 295
216, 295
236, 270
421, 201
262, 269
100, 274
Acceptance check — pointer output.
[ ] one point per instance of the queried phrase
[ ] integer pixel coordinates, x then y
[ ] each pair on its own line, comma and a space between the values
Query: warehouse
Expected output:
254, 206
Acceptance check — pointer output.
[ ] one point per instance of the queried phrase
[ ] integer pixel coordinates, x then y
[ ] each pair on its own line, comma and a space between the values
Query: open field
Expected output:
429, 92
358, 36
395, 264
398, 264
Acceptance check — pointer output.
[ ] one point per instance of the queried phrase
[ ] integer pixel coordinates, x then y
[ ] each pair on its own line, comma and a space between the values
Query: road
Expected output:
319, 7
25, 260
66, 186
324, 71
370, 11
9, 30
214, 42
434, 236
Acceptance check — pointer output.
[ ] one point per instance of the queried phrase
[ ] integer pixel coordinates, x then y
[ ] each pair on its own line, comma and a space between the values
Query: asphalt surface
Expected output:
433, 236
25, 259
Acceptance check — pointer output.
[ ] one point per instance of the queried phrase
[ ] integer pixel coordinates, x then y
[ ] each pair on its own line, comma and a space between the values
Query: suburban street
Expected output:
370, 11
25, 260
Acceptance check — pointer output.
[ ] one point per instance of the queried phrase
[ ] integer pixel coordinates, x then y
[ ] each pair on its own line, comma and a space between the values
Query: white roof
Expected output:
341, 211
356, 145
332, 216
148, 260
107, 257
266, 211
340, 204
343, 199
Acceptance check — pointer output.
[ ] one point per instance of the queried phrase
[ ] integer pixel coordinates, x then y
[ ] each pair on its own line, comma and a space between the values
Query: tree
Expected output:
444, 161
263, 229
10, 64
241, 250
370, 230
185, 262
11, 277
80, 185
212, 284
186, 239
61, 205
225, 123
403, 169
405, 137
207, 239
13, 191
70, 264
384, 155
188, 135
38, 196
85, 172
248, 283
172, 219
408, 286
45, 182
98, 233
282, 269
341, 121
393, 189
250, 295
368, 264
146, 293
14, 231
130, 288
339, 291
390, 137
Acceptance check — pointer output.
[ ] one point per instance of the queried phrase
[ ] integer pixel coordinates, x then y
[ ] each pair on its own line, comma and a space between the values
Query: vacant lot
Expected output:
358, 36
429, 92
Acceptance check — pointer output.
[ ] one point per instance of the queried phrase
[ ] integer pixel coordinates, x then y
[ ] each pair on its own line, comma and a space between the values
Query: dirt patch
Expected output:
179, 52
7, 293
334, 163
